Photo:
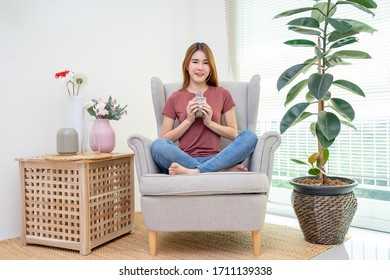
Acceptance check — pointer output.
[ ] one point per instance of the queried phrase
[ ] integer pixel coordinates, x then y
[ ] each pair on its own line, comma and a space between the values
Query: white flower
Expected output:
79, 78
100, 105
89, 104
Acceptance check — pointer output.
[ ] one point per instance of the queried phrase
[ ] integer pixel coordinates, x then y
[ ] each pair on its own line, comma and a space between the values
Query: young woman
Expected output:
200, 137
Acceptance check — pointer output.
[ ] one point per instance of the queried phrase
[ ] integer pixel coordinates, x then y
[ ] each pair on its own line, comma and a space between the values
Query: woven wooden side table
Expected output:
76, 203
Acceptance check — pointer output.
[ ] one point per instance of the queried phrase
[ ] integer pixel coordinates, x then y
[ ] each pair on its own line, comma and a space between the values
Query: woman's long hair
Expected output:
212, 79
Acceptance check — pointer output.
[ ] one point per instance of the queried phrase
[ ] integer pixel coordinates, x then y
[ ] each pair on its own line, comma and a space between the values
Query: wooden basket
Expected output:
76, 204
324, 219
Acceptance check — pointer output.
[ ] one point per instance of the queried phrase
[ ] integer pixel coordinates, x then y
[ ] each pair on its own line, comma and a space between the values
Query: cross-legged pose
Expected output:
199, 107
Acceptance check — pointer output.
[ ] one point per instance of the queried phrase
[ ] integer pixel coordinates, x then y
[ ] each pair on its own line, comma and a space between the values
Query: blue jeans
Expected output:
165, 152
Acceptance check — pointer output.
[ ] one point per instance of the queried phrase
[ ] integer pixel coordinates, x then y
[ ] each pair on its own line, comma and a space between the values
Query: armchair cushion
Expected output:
205, 184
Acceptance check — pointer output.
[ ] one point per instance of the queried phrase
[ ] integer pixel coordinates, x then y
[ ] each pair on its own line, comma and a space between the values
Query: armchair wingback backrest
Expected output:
245, 94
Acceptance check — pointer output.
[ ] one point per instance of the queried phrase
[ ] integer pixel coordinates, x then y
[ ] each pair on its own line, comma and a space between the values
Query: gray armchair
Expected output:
220, 201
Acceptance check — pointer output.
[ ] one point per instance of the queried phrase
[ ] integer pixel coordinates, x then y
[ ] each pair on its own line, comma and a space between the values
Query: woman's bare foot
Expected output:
236, 168
176, 169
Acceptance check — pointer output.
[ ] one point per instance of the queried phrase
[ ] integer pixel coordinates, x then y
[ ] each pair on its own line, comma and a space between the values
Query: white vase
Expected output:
76, 116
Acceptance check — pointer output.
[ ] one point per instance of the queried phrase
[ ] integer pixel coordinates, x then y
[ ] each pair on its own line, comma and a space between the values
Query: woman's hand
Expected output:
168, 131
207, 113
192, 108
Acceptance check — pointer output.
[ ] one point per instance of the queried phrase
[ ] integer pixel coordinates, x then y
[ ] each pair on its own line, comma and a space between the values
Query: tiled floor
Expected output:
362, 245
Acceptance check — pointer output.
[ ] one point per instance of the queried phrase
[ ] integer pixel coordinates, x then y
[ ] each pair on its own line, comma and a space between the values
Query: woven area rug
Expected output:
278, 242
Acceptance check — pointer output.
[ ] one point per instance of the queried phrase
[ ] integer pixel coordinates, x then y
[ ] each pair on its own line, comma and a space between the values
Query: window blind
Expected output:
256, 47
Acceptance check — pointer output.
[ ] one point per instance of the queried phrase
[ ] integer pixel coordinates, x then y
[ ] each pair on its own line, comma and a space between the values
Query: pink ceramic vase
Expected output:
102, 136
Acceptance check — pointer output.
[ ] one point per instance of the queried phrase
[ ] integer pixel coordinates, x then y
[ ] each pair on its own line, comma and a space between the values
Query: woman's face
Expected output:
198, 68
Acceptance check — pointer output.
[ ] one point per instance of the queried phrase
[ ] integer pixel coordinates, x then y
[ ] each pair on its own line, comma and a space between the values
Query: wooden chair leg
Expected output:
153, 242
256, 236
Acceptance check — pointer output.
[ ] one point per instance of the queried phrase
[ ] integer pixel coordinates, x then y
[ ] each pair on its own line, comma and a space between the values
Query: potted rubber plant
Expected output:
328, 37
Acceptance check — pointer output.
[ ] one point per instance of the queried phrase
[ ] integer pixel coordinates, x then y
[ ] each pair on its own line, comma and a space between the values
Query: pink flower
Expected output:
102, 112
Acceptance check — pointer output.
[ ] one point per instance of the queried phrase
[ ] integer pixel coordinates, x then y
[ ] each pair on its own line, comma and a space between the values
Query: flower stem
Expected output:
67, 85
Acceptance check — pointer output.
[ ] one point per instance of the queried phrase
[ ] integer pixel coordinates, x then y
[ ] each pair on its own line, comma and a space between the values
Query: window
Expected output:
256, 46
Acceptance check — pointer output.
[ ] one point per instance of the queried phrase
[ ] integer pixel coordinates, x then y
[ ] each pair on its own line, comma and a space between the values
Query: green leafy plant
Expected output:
331, 35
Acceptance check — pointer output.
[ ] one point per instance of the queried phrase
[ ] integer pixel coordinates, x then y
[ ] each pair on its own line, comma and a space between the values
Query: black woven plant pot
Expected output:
324, 219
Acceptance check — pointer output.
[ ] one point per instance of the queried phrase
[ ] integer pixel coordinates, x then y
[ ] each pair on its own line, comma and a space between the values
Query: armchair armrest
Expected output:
143, 156
263, 155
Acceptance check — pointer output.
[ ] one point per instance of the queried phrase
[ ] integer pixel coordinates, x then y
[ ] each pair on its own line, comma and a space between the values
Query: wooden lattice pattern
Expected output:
52, 203
76, 204
109, 198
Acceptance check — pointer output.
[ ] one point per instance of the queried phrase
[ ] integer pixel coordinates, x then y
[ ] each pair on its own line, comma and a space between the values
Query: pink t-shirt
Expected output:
199, 140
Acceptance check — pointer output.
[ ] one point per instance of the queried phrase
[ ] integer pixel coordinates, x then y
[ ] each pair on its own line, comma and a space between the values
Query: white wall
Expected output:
118, 44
